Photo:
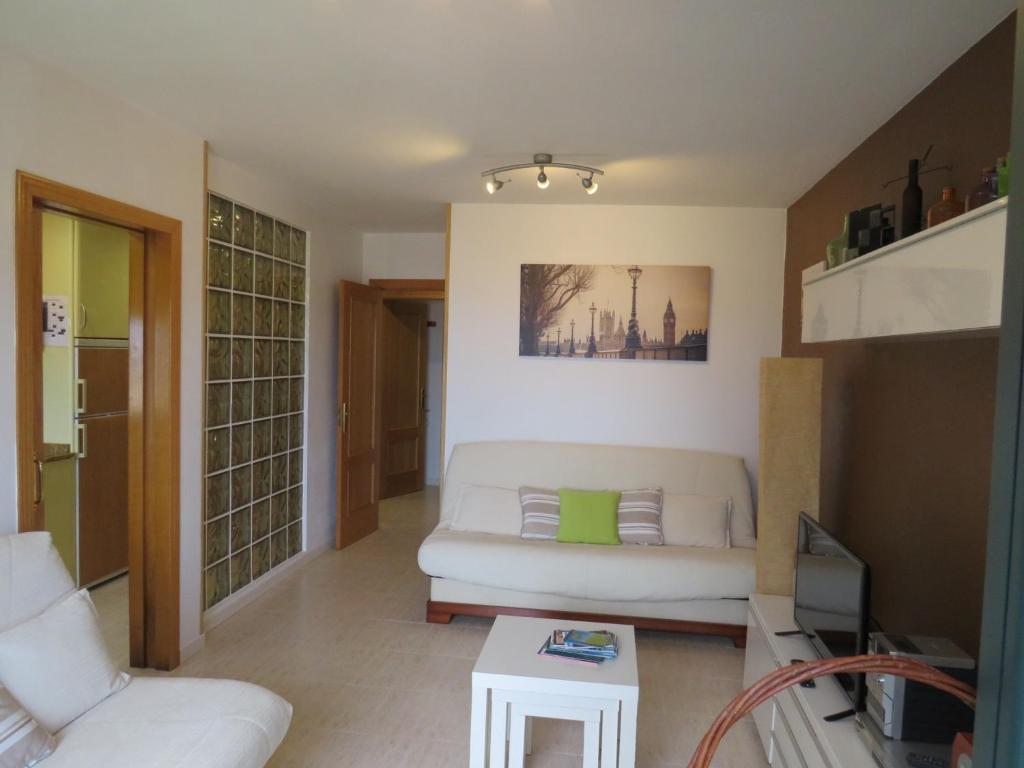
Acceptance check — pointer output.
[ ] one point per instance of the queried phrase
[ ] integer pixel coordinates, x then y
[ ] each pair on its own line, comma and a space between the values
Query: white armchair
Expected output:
154, 721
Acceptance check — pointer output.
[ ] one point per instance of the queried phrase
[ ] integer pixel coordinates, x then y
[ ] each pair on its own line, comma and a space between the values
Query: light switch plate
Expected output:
55, 321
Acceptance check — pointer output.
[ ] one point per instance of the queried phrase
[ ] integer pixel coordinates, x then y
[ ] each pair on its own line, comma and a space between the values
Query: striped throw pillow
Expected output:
540, 513
640, 517
23, 742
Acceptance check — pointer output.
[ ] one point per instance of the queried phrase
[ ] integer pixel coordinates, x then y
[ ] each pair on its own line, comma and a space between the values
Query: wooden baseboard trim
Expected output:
442, 613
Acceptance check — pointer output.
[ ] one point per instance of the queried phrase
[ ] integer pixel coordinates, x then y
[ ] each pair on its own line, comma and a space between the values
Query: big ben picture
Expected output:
627, 312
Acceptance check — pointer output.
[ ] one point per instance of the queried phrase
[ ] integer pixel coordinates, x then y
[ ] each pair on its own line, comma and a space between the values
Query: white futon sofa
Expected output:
490, 570
153, 722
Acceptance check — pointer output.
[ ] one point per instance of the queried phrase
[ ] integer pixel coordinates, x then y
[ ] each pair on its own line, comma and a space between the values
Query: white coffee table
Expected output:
512, 684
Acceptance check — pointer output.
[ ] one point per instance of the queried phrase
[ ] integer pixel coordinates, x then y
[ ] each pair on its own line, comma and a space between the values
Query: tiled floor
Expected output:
343, 639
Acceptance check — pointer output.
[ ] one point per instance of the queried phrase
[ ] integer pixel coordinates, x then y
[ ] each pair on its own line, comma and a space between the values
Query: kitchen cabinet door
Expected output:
102, 385
102, 497
101, 280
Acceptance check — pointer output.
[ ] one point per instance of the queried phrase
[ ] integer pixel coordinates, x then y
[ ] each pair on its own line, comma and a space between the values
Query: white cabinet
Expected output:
792, 725
757, 663
946, 279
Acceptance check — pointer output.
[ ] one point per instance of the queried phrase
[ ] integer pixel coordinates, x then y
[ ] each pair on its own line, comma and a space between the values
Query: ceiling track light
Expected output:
494, 184
542, 161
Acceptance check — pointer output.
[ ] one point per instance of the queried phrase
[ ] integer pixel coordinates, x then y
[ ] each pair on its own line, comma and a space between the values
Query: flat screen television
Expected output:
831, 600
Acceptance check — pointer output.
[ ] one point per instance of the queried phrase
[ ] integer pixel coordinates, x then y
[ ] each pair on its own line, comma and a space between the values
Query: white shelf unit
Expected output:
946, 279
791, 725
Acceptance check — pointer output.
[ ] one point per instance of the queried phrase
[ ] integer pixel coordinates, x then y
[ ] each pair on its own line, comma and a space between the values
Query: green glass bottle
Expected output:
835, 251
1003, 174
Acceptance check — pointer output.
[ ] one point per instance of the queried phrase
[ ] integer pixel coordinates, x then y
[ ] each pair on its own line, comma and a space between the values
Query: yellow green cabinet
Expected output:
59, 497
101, 281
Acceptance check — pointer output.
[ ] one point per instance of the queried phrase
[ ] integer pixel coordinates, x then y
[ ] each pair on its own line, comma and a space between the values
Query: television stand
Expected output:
797, 725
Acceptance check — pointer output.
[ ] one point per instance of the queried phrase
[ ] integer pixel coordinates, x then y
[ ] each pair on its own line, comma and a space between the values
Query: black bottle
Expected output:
911, 221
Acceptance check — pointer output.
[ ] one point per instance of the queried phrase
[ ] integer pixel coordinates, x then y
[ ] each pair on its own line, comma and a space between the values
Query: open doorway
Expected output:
98, 338
411, 404
390, 392
87, 269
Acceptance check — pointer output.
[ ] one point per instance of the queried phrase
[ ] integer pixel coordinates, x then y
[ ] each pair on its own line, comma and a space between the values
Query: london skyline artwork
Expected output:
622, 312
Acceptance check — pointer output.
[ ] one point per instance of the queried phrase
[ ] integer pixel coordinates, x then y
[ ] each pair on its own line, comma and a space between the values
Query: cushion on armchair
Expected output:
56, 664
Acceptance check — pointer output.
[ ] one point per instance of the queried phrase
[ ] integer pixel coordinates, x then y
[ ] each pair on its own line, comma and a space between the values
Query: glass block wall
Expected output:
255, 401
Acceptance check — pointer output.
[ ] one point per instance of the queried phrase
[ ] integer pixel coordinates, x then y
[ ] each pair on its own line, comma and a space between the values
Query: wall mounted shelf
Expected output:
946, 279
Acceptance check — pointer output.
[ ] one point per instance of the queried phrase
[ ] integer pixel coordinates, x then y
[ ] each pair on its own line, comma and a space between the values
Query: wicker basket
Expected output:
795, 674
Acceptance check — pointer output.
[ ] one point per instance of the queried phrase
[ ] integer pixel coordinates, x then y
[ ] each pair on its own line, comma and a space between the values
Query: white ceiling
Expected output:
390, 108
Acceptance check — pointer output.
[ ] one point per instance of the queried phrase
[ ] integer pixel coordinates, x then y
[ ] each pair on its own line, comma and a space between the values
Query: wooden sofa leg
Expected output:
435, 616
740, 641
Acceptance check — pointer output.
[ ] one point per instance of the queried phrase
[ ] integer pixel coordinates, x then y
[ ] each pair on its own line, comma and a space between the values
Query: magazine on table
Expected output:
590, 647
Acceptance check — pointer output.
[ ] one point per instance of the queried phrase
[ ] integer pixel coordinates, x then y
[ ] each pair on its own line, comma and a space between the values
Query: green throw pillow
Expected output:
588, 517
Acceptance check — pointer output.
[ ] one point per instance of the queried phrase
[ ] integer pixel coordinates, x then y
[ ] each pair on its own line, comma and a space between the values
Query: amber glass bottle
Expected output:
947, 208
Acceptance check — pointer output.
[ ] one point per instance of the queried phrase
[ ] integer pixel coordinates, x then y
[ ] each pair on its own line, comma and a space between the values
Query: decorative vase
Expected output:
835, 251
911, 214
947, 208
985, 192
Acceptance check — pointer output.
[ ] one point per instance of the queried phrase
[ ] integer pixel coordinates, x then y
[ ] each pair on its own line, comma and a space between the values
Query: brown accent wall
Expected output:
907, 425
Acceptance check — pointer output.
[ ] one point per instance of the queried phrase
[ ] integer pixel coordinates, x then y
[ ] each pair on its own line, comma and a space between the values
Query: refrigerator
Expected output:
101, 434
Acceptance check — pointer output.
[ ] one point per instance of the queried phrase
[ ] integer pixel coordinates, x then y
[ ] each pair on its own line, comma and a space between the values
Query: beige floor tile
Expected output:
343, 638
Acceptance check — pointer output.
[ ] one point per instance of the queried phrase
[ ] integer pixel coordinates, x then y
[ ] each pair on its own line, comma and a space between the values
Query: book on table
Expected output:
578, 645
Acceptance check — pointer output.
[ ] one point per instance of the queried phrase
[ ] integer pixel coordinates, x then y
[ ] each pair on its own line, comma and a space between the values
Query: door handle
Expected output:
423, 399
83, 441
343, 417
38, 491
85, 315
82, 392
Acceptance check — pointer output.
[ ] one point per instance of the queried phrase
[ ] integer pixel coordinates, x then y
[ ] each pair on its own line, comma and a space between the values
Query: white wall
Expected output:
404, 256
334, 254
419, 255
57, 127
495, 394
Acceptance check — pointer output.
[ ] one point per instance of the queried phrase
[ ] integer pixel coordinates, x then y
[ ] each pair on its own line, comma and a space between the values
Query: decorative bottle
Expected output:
911, 221
1003, 175
947, 208
985, 192
835, 251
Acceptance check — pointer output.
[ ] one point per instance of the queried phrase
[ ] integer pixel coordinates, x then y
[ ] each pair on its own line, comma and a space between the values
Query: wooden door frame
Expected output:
153, 408
410, 290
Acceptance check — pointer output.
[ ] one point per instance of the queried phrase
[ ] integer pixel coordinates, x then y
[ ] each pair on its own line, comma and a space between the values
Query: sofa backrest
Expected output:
32, 577
511, 464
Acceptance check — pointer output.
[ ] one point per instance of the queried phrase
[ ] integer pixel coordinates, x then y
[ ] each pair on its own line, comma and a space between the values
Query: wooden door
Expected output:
405, 395
32, 510
102, 497
359, 405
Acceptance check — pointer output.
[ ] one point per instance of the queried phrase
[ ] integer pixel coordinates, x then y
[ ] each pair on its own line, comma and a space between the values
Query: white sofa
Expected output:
670, 587
154, 721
